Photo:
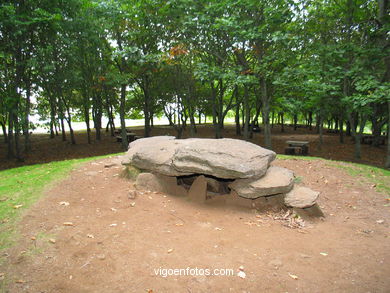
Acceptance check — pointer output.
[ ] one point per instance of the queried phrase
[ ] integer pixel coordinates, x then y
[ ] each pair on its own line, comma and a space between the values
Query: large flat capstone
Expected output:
276, 180
222, 158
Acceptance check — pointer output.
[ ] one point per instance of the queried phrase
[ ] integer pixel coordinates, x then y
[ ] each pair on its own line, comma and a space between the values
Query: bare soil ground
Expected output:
114, 246
45, 149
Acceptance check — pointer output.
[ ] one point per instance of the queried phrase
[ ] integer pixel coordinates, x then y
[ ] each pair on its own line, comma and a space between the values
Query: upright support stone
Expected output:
198, 190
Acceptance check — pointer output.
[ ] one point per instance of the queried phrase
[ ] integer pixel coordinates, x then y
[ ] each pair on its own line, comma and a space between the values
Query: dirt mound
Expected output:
94, 233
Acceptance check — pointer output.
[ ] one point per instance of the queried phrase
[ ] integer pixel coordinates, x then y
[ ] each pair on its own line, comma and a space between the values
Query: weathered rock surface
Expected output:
222, 158
153, 154
276, 180
159, 183
301, 197
198, 190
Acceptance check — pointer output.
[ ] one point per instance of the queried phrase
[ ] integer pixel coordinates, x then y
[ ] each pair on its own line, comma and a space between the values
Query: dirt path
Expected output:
115, 247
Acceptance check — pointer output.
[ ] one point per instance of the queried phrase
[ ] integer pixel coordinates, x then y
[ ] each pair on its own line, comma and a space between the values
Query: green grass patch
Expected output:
308, 158
23, 186
372, 175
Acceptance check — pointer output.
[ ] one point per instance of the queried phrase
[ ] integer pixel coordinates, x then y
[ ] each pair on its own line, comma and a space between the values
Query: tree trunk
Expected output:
357, 135
122, 117
320, 130
217, 129
87, 122
4, 128
17, 139
11, 150
237, 117
265, 112
348, 130
295, 118
146, 107
387, 165
52, 117
247, 113
282, 121
311, 121
27, 146
341, 129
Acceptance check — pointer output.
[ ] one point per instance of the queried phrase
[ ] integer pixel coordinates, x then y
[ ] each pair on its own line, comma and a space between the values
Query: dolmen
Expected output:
215, 170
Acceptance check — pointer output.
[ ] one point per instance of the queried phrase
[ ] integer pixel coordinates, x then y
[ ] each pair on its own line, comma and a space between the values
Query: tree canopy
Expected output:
311, 61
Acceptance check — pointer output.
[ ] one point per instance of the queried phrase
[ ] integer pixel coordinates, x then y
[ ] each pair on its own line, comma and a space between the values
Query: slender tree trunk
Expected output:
265, 102
111, 119
98, 115
247, 113
387, 165
341, 129
61, 110
4, 128
237, 117
146, 106
52, 117
11, 150
320, 130
17, 139
56, 127
348, 130
295, 118
69, 120
217, 128
87, 122
122, 117
27, 120
282, 121
357, 135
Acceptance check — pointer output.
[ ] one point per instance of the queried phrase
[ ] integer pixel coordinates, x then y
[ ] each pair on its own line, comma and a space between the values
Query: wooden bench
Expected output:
369, 139
295, 147
130, 137
118, 131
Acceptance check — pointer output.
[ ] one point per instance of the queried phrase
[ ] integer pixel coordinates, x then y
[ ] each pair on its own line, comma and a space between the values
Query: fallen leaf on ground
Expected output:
293, 276
64, 203
68, 224
90, 236
170, 250
52, 240
380, 221
323, 253
18, 206
241, 274
113, 225
20, 281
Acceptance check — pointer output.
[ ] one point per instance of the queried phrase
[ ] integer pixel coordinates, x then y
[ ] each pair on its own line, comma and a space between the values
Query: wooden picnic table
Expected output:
130, 137
296, 147
118, 131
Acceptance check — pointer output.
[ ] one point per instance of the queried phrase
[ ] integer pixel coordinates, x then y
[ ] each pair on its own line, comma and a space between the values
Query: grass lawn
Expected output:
372, 175
21, 187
